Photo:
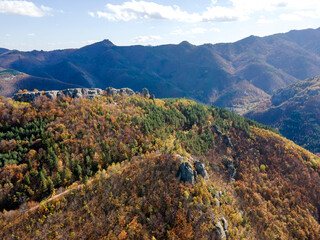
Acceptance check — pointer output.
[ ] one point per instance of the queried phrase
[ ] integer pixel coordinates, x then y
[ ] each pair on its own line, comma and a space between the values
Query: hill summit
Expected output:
128, 166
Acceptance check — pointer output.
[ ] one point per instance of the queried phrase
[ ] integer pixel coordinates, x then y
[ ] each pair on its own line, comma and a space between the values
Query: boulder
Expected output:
186, 173
220, 231
199, 167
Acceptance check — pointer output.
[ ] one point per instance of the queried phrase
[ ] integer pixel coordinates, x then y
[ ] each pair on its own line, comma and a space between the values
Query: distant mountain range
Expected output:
236, 75
295, 111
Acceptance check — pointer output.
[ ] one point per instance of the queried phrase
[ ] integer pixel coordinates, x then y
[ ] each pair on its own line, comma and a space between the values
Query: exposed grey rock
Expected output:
225, 224
200, 169
228, 141
51, 94
127, 91
111, 91
220, 231
71, 92
26, 97
81, 92
215, 129
145, 92
228, 163
186, 173
217, 203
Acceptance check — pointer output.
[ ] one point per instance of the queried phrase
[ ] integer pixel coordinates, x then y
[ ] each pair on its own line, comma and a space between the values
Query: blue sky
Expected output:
58, 24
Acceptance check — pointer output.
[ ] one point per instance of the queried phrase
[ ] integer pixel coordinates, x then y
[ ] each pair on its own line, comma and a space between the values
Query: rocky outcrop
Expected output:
112, 91
82, 92
145, 92
220, 231
215, 129
189, 171
26, 97
186, 173
71, 92
225, 224
200, 170
229, 165
228, 141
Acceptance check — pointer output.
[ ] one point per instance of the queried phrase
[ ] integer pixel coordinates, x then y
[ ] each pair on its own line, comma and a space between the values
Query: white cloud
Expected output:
91, 14
149, 10
31, 34
237, 11
8, 35
142, 10
24, 8
146, 39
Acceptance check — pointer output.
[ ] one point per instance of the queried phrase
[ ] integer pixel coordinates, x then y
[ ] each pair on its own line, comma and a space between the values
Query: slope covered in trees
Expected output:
295, 111
108, 168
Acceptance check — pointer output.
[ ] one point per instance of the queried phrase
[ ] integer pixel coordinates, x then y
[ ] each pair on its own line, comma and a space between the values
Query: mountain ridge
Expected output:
294, 110
205, 73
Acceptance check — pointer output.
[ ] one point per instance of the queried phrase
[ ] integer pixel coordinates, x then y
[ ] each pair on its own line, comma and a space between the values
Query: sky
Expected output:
59, 24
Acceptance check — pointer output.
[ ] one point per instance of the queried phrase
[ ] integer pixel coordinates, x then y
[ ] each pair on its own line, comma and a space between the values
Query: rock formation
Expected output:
200, 170
189, 171
186, 173
112, 91
228, 141
229, 165
71, 92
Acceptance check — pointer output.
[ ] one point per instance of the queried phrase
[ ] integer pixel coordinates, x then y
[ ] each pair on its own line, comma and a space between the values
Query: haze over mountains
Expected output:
236, 75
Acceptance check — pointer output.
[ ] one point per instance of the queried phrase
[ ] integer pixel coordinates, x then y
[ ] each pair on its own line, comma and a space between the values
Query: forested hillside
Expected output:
295, 111
132, 167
